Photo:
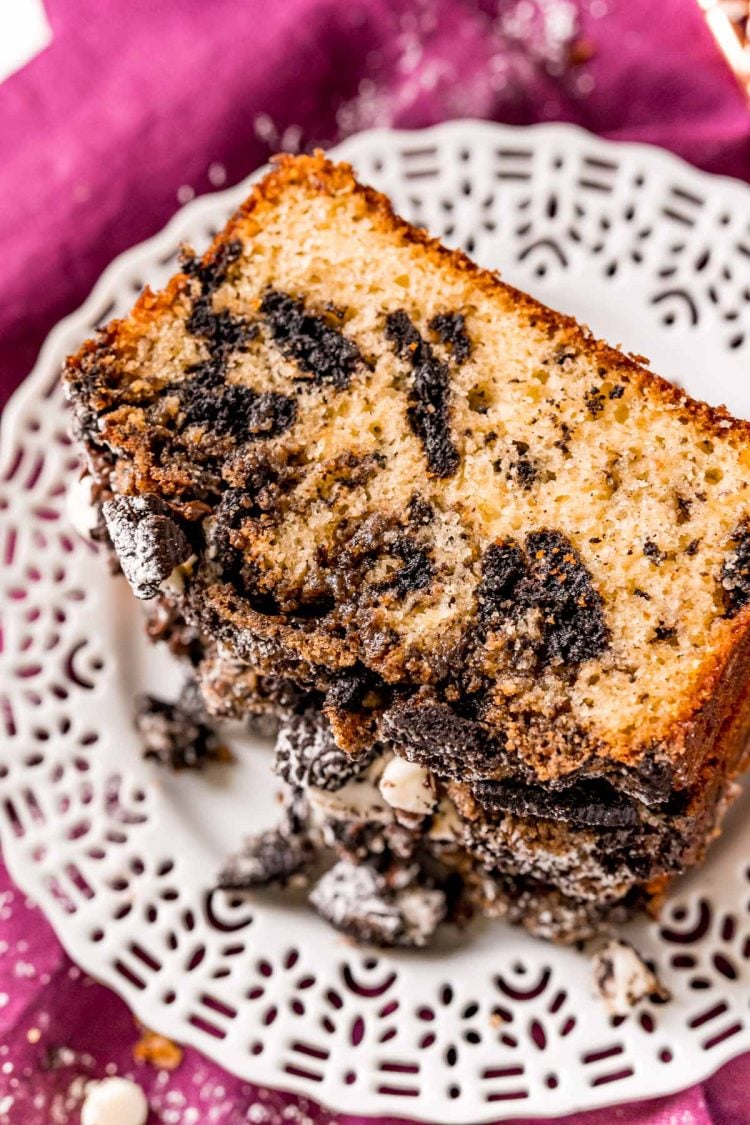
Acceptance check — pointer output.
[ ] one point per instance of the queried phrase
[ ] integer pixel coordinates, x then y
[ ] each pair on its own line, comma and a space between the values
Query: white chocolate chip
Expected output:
358, 799
405, 785
114, 1101
80, 508
175, 582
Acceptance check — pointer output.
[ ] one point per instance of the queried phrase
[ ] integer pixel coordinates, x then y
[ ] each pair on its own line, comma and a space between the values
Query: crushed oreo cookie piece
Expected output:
147, 539
174, 734
503, 568
306, 754
417, 570
588, 802
547, 575
421, 511
276, 857
319, 350
664, 632
735, 573
376, 908
595, 401
450, 328
222, 331
622, 978
429, 394
573, 628
653, 552
371, 841
358, 800
348, 691
428, 731
238, 411
524, 470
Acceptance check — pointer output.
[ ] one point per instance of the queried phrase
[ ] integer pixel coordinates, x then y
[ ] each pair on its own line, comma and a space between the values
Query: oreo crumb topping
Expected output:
618, 391
735, 573
547, 575
320, 350
148, 541
238, 411
450, 328
385, 909
429, 391
174, 734
692, 547
306, 754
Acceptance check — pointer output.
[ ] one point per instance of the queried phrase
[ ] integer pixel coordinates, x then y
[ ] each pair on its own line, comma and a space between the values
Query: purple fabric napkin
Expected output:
134, 107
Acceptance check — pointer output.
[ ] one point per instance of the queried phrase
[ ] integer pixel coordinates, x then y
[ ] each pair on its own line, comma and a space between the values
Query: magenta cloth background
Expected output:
135, 105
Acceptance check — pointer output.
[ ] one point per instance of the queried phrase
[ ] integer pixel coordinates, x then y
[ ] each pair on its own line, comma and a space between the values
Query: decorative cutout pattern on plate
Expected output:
122, 857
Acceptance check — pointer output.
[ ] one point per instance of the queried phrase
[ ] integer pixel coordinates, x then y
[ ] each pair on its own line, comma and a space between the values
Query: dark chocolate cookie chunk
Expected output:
548, 576
147, 539
430, 732
450, 328
379, 909
591, 802
321, 351
371, 841
735, 573
429, 394
273, 857
174, 735
238, 412
307, 754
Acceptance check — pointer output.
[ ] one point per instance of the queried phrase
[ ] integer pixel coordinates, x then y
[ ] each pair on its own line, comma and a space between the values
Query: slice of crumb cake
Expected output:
384, 475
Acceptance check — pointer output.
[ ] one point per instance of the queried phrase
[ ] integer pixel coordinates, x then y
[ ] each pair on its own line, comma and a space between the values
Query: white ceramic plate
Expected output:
122, 856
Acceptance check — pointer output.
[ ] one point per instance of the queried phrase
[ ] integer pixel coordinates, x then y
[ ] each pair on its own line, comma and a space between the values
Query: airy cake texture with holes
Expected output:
353, 463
